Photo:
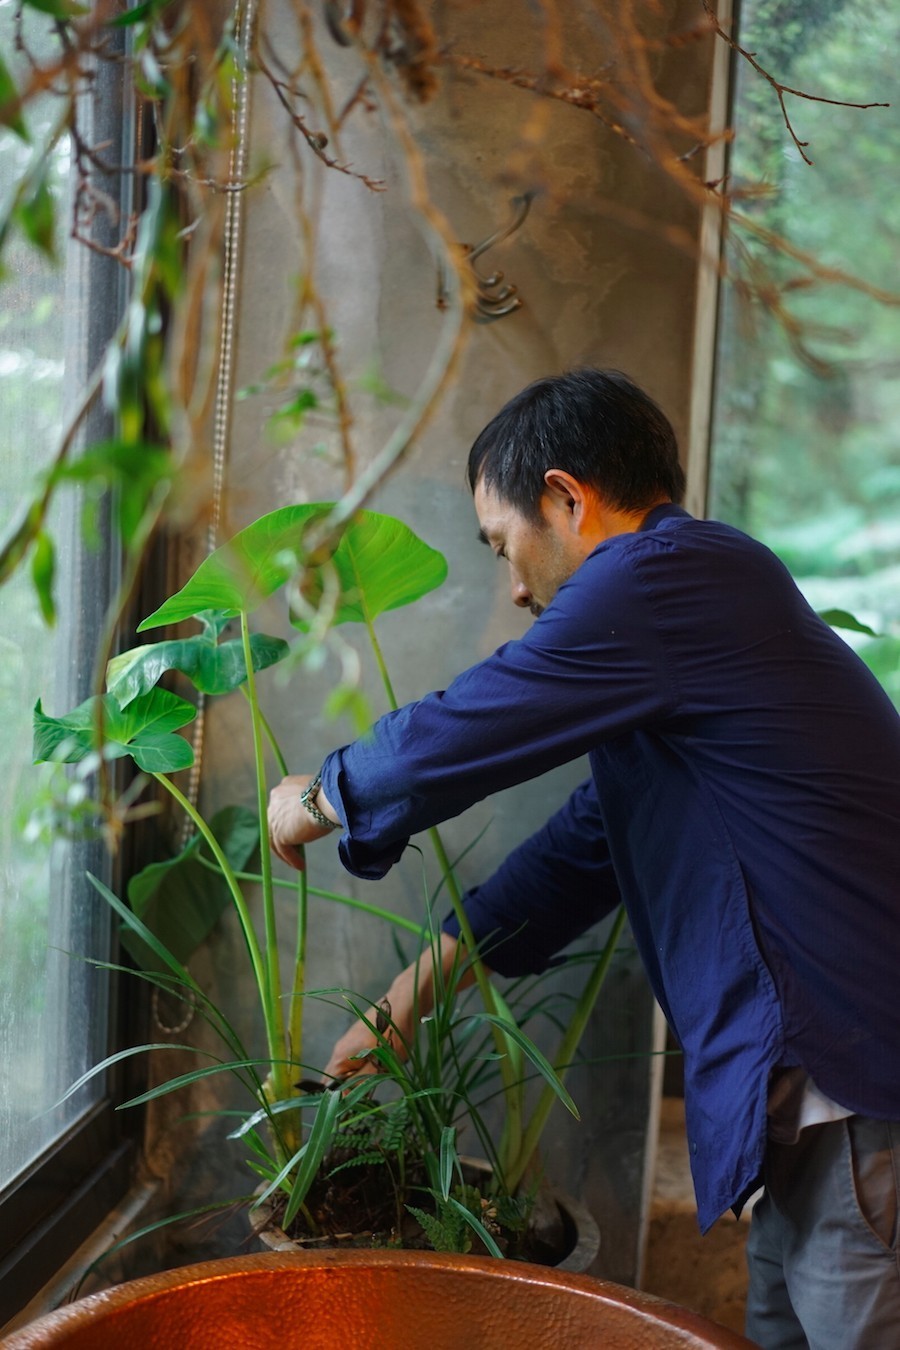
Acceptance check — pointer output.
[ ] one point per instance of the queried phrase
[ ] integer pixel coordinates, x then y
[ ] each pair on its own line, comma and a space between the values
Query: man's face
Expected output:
540, 557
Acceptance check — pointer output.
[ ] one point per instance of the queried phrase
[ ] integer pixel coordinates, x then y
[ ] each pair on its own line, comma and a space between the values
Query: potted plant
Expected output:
299, 1135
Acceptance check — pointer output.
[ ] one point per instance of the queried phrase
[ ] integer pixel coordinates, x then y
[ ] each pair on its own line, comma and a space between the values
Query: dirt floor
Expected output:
706, 1274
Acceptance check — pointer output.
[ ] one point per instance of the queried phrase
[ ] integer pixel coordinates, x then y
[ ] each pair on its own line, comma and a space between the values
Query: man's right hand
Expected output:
400, 1006
290, 824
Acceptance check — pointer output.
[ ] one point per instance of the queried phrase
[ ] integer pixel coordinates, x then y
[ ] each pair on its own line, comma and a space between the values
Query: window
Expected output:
61, 1166
806, 422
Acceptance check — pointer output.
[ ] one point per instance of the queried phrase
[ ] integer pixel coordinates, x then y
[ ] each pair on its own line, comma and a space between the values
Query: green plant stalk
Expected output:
408, 925
270, 989
269, 734
298, 985
295, 1014
240, 904
512, 1090
565, 1053
135, 549
512, 1093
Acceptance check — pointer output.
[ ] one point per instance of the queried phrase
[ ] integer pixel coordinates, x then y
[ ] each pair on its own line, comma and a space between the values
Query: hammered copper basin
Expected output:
369, 1301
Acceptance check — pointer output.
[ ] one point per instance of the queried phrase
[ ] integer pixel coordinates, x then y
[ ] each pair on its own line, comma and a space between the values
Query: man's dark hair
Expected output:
596, 425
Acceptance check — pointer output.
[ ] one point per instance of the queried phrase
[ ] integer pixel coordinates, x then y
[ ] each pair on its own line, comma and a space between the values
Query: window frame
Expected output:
54, 1204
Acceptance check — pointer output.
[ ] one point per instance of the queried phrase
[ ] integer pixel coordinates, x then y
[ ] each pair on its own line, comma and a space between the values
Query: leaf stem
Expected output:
565, 1053
228, 873
409, 925
270, 988
512, 1133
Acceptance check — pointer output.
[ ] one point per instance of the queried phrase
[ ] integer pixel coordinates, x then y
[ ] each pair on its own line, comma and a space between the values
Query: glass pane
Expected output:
52, 1003
806, 423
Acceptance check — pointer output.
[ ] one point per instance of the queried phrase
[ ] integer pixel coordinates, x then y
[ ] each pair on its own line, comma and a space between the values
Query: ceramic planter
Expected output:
370, 1301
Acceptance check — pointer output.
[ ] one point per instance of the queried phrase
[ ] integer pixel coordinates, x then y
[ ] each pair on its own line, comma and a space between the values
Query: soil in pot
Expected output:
356, 1203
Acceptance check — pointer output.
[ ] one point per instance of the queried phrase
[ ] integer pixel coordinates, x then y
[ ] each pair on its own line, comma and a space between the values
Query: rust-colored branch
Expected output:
316, 140
581, 93
781, 89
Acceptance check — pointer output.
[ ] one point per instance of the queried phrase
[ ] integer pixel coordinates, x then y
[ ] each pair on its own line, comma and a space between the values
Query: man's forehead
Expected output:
493, 512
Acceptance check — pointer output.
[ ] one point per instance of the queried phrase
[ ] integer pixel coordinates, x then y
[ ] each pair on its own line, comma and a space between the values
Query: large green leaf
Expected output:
840, 618
211, 668
145, 730
60, 9
10, 108
35, 211
43, 568
143, 13
379, 563
137, 472
245, 570
181, 899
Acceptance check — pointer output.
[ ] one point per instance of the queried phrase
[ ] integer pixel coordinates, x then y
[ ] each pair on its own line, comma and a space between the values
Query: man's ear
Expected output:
565, 493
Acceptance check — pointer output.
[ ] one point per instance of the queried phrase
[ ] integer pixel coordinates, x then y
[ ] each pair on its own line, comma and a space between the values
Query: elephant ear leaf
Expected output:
181, 899
211, 667
146, 730
247, 569
380, 564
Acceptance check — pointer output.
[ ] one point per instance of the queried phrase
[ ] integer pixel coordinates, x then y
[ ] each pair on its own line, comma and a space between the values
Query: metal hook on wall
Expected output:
344, 20
493, 299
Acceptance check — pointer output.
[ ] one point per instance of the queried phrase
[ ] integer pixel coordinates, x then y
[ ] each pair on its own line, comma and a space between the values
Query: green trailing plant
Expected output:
441, 1079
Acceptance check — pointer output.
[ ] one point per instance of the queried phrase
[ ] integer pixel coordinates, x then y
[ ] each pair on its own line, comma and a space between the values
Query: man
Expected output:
744, 801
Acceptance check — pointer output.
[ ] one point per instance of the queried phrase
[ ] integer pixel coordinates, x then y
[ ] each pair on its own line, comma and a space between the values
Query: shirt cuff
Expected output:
359, 858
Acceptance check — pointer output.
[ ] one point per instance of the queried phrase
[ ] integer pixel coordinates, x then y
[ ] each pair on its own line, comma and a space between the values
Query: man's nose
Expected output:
521, 595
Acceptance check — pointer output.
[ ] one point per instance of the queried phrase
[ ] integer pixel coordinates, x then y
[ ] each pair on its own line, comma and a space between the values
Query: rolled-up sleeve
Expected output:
590, 668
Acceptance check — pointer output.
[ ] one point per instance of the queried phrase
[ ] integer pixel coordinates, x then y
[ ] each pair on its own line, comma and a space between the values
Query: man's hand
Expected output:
290, 824
399, 1007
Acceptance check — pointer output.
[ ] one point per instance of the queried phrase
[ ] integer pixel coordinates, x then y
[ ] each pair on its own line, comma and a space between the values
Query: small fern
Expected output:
395, 1130
359, 1160
513, 1212
447, 1230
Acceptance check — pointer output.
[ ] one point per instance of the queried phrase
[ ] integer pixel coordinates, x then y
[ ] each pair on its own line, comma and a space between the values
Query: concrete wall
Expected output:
596, 290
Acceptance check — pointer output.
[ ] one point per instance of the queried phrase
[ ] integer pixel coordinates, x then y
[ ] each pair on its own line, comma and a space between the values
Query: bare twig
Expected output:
316, 140
450, 344
781, 89
361, 96
581, 92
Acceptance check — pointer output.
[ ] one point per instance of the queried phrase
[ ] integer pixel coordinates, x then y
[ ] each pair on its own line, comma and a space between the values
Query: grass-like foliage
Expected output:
304, 1142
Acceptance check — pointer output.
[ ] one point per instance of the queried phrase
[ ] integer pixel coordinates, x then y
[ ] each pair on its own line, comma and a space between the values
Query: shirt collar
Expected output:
665, 511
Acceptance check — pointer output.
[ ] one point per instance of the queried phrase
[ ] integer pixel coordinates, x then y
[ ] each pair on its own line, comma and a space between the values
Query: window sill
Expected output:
73, 1277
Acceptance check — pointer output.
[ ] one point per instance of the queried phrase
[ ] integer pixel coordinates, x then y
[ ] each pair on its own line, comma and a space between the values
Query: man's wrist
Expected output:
308, 800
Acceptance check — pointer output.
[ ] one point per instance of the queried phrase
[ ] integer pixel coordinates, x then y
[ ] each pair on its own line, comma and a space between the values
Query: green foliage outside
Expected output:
31, 380
805, 451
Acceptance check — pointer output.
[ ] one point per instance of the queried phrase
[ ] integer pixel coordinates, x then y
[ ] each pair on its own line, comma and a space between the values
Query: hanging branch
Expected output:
579, 92
781, 89
180, 63
316, 140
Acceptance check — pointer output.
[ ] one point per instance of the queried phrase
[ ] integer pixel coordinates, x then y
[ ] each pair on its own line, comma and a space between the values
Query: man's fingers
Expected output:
294, 857
336, 1072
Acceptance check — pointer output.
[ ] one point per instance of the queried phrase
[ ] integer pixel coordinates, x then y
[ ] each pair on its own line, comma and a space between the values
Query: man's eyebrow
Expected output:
483, 539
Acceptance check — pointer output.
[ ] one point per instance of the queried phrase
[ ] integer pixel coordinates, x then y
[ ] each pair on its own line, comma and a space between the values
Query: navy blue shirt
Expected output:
744, 803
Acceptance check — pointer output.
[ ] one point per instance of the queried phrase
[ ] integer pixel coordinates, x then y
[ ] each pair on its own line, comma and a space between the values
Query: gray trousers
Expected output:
824, 1247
